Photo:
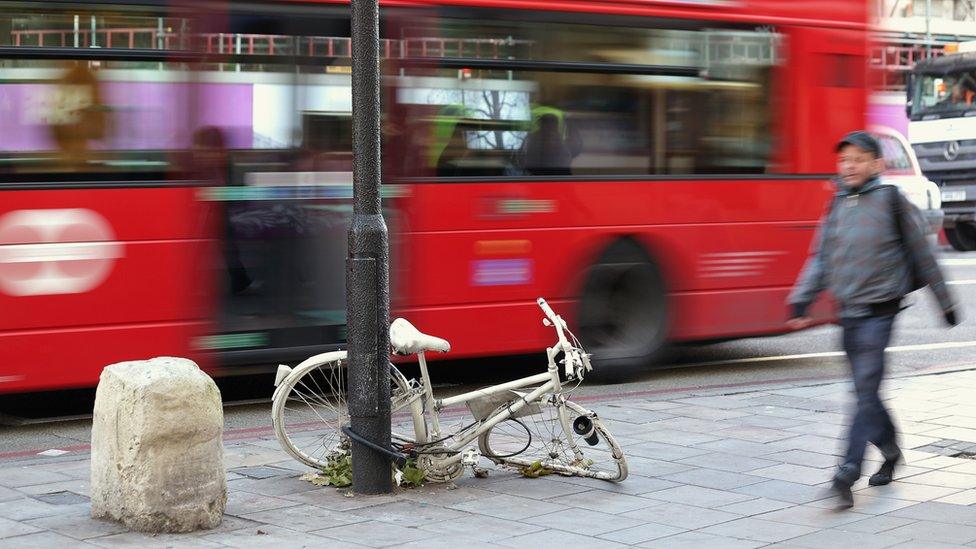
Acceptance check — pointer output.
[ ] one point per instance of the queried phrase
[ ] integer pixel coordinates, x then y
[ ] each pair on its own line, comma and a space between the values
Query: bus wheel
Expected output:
623, 309
962, 237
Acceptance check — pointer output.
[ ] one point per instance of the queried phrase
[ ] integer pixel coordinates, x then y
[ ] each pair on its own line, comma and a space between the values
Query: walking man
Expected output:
871, 253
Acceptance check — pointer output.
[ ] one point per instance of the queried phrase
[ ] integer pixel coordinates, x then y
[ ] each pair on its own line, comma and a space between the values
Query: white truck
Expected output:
941, 110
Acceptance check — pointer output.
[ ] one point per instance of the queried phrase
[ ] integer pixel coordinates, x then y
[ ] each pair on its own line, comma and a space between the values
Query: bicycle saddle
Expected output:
407, 340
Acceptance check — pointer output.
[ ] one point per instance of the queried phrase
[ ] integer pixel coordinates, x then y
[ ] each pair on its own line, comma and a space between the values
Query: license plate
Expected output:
953, 196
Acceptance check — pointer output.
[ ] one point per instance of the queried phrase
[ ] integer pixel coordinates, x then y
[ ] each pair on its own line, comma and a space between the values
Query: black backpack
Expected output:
918, 282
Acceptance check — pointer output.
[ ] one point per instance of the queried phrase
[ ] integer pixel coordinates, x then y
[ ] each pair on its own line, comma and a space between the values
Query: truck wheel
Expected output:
623, 315
962, 237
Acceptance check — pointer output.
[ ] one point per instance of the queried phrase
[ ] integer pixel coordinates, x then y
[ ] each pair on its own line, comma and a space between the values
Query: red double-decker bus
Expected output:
177, 180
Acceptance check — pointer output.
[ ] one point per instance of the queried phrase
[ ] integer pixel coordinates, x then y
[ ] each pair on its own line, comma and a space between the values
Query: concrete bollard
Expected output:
157, 456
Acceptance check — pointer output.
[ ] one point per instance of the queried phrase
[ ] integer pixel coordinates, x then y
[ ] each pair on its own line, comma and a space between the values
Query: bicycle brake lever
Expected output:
571, 361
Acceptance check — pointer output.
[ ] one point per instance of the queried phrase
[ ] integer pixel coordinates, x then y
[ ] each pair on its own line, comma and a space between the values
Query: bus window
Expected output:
597, 100
552, 123
93, 26
94, 114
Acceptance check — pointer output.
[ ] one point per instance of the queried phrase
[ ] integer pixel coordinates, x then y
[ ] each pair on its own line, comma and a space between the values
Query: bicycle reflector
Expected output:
584, 428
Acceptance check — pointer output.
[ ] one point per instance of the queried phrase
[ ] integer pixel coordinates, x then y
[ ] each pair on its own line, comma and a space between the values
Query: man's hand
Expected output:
950, 317
799, 323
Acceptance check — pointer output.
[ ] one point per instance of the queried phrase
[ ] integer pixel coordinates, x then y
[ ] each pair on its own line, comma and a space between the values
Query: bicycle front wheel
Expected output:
309, 408
547, 436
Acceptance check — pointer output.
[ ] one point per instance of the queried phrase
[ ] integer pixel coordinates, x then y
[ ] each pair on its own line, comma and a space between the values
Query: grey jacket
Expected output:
860, 256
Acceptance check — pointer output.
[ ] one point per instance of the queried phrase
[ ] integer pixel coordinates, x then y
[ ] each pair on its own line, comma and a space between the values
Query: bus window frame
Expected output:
472, 13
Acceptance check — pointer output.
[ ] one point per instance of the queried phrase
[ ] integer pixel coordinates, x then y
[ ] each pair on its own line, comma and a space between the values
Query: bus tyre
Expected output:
623, 315
962, 237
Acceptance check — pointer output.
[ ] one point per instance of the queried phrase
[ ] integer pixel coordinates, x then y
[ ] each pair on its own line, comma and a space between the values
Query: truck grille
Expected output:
934, 158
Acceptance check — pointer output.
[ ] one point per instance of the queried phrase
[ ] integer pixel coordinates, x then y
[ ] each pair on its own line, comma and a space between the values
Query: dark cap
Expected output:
862, 140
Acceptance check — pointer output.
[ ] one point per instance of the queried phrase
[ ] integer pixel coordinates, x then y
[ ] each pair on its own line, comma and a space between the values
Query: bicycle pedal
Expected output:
470, 458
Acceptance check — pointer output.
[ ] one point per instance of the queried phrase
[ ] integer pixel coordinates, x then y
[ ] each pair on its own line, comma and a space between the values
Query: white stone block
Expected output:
157, 455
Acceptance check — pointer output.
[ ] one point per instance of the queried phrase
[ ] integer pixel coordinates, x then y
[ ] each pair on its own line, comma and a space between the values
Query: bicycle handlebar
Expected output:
556, 321
573, 357
549, 312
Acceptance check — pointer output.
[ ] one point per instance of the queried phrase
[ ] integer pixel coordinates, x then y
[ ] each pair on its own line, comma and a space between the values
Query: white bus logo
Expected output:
49, 252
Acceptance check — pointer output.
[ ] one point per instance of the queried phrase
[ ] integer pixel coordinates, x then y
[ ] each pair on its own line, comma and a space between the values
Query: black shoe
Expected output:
844, 498
886, 473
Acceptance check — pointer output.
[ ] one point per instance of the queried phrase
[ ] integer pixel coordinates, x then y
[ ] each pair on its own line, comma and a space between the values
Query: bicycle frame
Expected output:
425, 400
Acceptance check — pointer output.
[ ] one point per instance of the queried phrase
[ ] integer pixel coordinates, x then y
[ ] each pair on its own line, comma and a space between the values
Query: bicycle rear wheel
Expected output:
309, 408
548, 437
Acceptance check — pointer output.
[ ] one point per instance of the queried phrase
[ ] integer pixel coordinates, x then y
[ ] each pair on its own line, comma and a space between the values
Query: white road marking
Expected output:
958, 262
964, 282
829, 354
932, 346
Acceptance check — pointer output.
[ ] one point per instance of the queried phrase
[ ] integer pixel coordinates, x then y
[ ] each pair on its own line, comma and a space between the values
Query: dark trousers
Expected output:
865, 340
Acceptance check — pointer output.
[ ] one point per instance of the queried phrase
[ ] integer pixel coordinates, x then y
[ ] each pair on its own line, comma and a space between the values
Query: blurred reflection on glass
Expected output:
76, 115
96, 115
545, 150
450, 141
210, 155
705, 108
210, 161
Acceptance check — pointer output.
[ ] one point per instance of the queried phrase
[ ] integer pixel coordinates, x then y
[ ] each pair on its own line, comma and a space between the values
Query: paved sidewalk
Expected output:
715, 468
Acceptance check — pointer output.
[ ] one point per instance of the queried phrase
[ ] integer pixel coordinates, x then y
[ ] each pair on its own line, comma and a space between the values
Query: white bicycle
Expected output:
537, 428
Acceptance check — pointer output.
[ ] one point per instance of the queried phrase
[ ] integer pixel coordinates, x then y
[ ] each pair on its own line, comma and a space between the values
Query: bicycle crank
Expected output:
436, 467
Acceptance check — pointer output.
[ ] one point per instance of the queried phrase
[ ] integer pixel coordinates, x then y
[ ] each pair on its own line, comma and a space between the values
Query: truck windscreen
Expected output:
945, 95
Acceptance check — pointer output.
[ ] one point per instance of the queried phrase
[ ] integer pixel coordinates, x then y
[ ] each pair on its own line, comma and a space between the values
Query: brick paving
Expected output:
737, 468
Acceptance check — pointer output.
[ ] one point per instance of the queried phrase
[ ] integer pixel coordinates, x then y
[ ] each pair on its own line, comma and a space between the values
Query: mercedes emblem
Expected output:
951, 150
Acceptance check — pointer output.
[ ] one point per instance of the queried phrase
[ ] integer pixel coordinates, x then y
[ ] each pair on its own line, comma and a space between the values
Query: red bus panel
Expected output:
95, 276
